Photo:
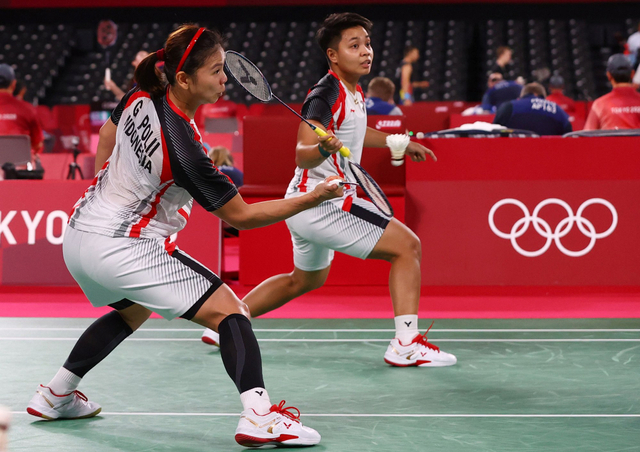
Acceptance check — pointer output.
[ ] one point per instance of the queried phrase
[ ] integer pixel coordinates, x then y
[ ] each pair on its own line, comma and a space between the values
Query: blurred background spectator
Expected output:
499, 91
620, 109
17, 117
532, 112
380, 97
503, 58
114, 88
556, 95
222, 159
407, 75
633, 46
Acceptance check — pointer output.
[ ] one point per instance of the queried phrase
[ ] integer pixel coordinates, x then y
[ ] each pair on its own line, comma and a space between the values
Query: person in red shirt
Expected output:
620, 109
17, 117
556, 86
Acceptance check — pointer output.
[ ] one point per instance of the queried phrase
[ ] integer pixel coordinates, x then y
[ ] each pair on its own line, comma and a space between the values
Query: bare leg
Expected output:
280, 289
401, 247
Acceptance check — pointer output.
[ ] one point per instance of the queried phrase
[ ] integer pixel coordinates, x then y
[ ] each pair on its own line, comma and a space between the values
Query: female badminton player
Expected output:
117, 244
349, 224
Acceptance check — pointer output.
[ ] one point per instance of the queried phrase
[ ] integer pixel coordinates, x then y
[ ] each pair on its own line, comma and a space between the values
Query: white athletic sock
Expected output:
64, 382
256, 399
406, 328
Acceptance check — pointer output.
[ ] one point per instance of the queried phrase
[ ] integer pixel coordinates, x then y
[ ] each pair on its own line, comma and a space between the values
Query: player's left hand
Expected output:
418, 152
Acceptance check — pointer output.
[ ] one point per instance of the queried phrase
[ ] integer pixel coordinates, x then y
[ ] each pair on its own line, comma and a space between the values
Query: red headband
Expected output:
160, 54
189, 48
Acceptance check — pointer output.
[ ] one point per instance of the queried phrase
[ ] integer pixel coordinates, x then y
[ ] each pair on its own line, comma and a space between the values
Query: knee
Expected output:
415, 247
232, 306
411, 247
135, 319
307, 282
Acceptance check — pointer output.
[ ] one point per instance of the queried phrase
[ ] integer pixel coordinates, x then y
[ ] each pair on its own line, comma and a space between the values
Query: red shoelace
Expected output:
81, 395
286, 411
422, 340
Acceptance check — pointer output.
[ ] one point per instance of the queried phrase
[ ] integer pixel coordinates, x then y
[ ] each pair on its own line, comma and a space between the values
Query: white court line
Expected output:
354, 330
165, 339
382, 415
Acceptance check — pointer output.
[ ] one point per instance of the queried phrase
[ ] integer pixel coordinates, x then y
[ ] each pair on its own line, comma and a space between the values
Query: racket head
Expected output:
247, 75
371, 189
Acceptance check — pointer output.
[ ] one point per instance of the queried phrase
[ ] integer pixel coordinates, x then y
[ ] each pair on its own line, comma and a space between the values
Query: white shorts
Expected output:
122, 271
350, 225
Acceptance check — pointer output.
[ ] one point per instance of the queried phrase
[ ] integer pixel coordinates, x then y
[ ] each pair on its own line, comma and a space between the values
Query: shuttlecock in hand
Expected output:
397, 143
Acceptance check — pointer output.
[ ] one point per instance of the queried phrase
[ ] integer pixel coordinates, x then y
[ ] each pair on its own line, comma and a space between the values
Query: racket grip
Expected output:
344, 151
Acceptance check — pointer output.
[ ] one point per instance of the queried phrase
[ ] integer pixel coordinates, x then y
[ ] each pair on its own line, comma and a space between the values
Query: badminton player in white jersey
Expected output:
117, 244
349, 224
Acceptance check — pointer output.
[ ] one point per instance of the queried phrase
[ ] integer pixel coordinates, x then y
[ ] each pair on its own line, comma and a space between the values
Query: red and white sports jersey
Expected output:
337, 109
158, 166
620, 109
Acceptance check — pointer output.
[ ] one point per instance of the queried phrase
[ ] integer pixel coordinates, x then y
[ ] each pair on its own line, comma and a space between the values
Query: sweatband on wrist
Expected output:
323, 152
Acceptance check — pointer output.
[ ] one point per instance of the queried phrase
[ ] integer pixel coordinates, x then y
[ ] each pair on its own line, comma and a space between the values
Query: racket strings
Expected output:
372, 190
248, 76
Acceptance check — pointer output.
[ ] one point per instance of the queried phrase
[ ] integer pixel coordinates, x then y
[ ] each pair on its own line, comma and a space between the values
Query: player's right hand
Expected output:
329, 188
330, 143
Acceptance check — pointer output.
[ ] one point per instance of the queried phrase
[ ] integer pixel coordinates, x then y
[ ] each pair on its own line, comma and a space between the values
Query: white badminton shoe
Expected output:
48, 405
211, 337
280, 427
418, 353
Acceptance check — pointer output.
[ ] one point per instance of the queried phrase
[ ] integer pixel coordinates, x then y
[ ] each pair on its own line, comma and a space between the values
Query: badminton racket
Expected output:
248, 76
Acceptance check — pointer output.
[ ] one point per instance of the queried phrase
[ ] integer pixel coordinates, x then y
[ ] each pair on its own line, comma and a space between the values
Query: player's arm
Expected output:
405, 83
376, 139
106, 143
241, 215
311, 149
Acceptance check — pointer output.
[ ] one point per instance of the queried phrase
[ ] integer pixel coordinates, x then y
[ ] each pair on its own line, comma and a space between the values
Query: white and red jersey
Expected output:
158, 166
340, 111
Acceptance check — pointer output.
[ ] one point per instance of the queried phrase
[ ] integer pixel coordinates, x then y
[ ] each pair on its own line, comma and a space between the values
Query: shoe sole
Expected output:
36, 413
209, 341
282, 440
419, 363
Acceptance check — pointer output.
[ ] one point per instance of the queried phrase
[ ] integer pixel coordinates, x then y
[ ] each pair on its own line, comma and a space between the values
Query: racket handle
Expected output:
344, 151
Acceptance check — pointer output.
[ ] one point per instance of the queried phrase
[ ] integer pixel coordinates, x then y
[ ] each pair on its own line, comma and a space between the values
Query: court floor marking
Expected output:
163, 339
386, 415
356, 330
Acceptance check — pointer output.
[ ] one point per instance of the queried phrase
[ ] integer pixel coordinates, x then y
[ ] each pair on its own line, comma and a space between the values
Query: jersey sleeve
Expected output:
117, 112
318, 109
194, 171
317, 105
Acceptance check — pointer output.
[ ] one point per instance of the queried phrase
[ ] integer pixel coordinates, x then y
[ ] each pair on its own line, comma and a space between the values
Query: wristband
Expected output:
323, 152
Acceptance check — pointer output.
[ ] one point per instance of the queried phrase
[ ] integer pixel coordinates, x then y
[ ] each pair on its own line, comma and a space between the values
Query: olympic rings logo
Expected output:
561, 230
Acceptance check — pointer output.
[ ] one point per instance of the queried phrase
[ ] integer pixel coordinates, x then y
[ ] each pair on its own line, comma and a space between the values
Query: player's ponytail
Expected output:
149, 77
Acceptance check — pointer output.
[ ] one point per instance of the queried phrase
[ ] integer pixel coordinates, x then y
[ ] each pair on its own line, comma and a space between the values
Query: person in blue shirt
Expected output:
532, 112
499, 91
380, 97
222, 159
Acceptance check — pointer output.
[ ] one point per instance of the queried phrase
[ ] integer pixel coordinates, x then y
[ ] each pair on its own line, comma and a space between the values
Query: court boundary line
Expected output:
395, 415
182, 339
356, 330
